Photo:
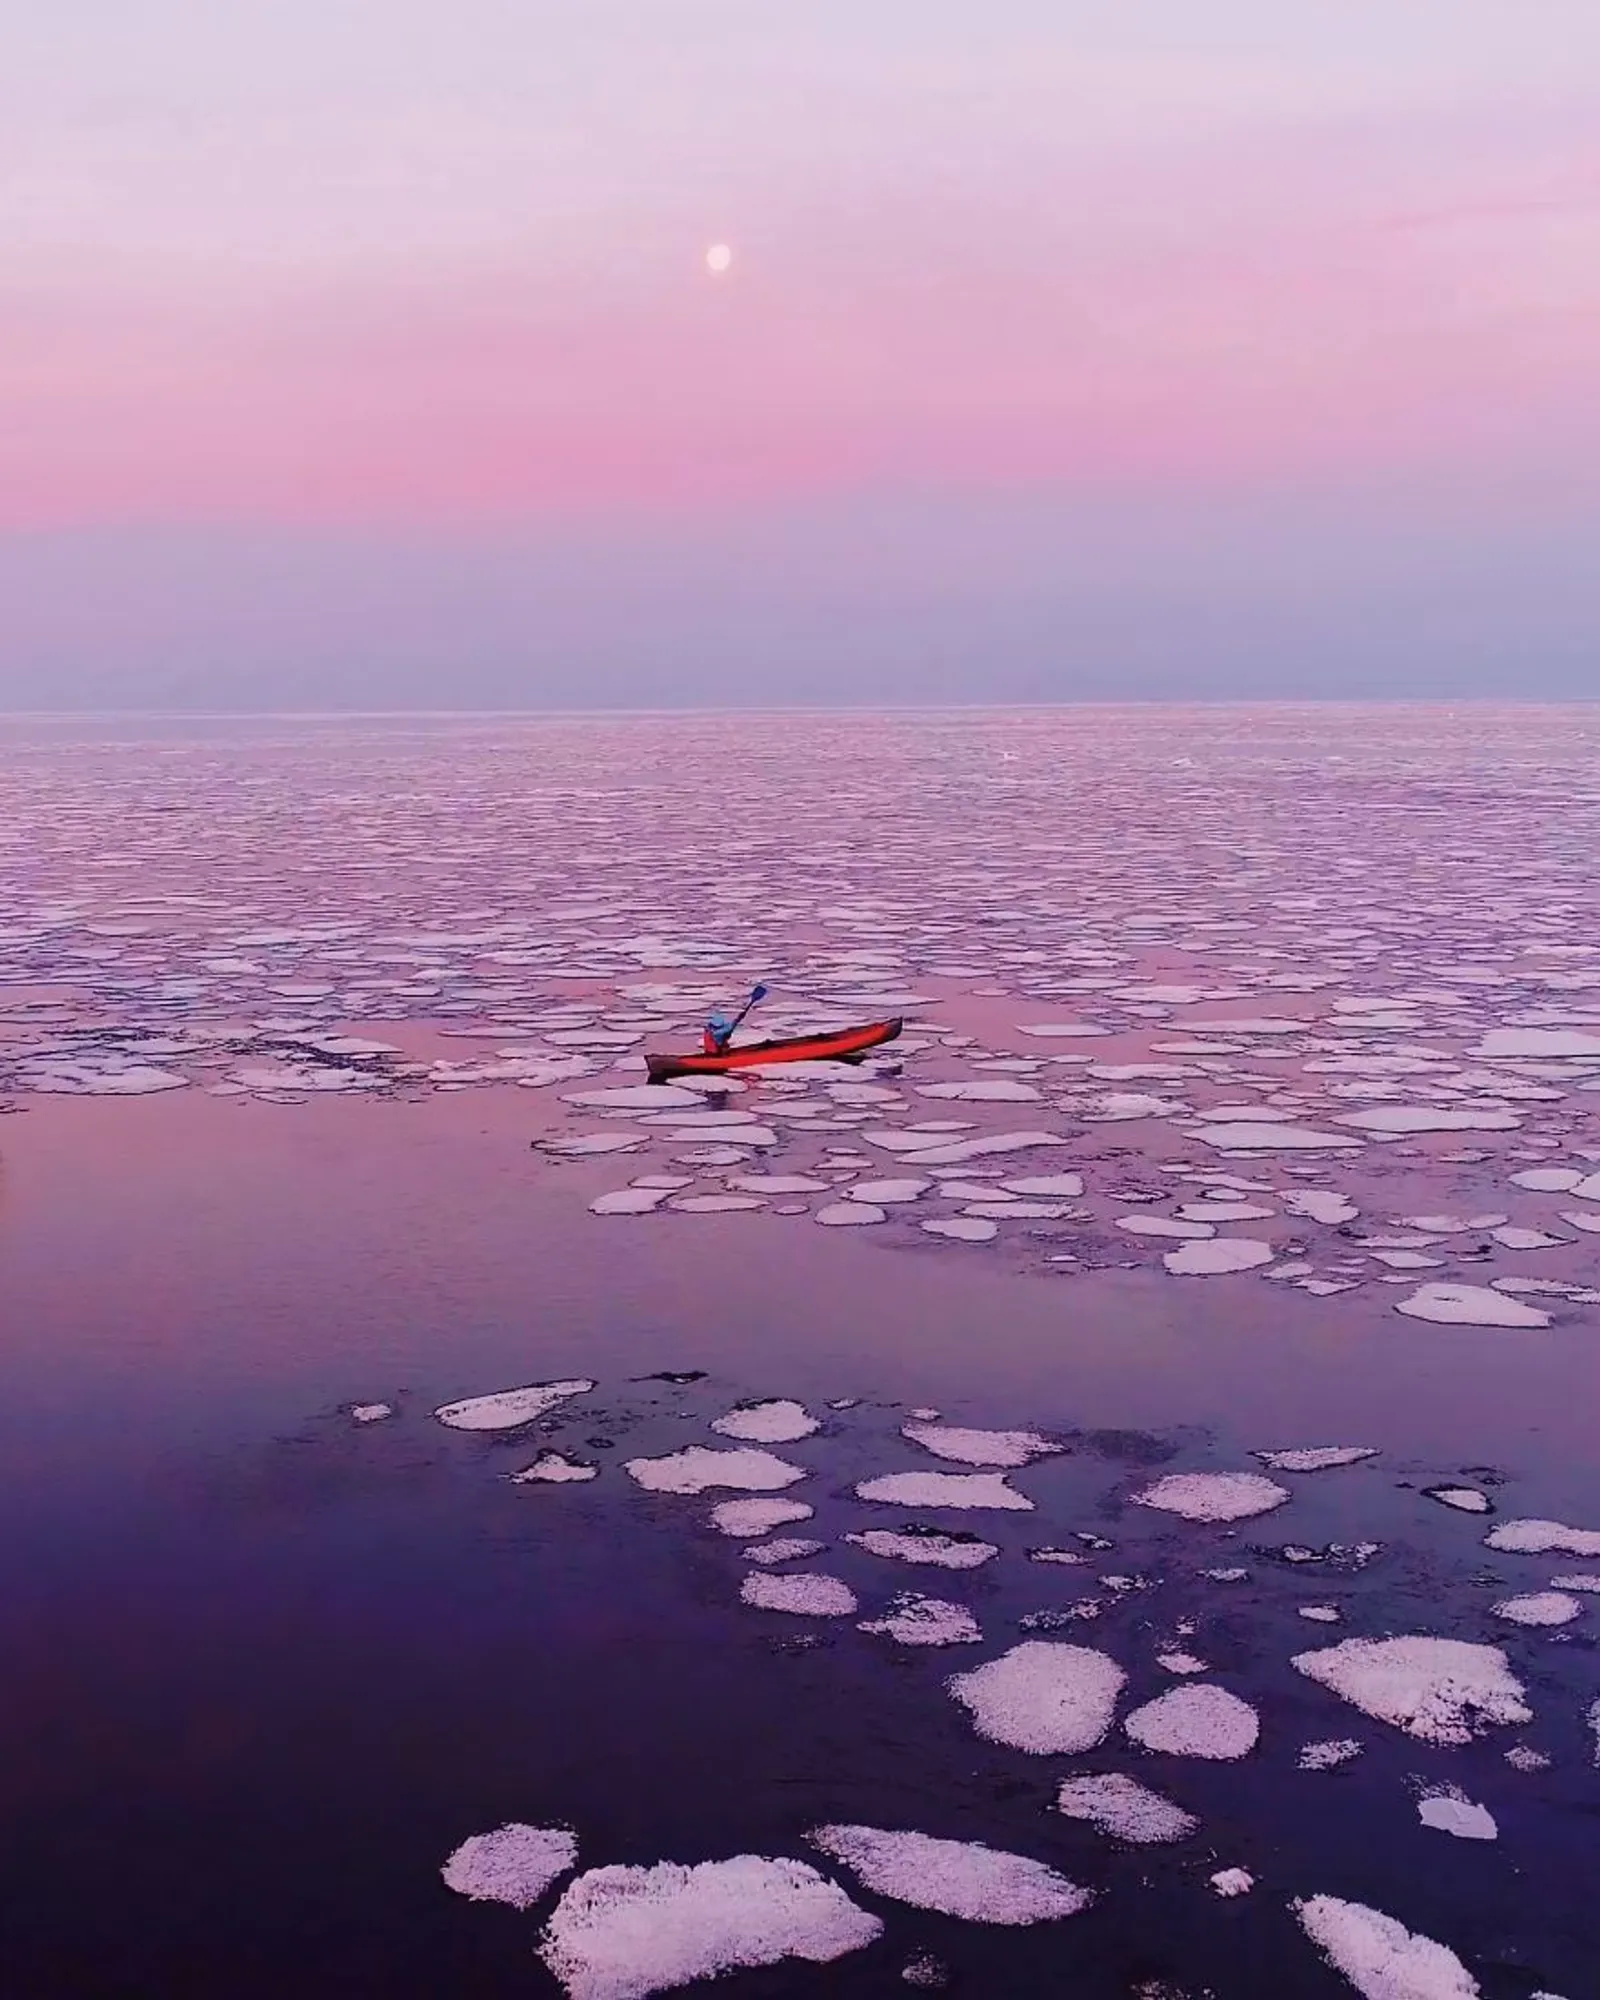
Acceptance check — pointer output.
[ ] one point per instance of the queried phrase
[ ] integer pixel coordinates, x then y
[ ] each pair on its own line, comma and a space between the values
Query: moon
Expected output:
718, 258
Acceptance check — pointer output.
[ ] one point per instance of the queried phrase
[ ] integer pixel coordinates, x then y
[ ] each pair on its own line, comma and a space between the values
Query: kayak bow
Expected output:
846, 1045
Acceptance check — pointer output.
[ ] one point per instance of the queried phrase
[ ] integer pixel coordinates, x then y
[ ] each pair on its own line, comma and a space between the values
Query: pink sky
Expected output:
319, 267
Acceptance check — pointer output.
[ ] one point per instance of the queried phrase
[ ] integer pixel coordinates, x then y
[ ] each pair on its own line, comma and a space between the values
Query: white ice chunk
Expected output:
1328, 1756
629, 1201
1448, 1810
1464, 1499
972, 1447
696, 1469
1468, 1305
1541, 1538
983, 1090
371, 1413
849, 1214
624, 1933
1322, 1205
1438, 1690
1257, 1138
935, 1550
1125, 1809
1380, 1957
1542, 1607
755, 1517
958, 1878
1043, 1697
1233, 1881
784, 1548
963, 1228
507, 1409
965, 1490
887, 1193
1214, 1496
1217, 1257
1196, 1721
962, 1150
515, 1864
1317, 1458
776, 1422
553, 1468
806, 1595
1563, 1044
1430, 1118
925, 1621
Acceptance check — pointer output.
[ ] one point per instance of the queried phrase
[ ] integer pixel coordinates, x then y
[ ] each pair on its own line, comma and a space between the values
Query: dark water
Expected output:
262, 1669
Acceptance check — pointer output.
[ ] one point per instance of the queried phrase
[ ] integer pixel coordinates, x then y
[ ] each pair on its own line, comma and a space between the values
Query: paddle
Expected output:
760, 993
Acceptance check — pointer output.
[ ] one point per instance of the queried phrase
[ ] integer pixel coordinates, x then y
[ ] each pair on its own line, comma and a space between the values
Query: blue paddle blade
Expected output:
759, 994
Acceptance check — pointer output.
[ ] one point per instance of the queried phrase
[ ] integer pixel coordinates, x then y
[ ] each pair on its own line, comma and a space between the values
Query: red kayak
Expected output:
846, 1045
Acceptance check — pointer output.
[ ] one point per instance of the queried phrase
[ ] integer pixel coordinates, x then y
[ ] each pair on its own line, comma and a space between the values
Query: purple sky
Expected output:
356, 355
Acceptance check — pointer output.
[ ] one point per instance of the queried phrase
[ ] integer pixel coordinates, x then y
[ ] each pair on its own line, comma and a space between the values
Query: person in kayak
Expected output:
719, 1029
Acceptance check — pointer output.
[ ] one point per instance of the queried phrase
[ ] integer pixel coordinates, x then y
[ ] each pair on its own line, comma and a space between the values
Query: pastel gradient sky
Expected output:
363, 352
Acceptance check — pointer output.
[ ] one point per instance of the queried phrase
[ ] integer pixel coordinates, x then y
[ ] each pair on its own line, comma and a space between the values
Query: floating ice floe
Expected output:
1229, 1882
985, 1090
1448, 1810
370, 1413
1398, 1118
1382, 1959
755, 1517
960, 1151
1165, 1225
928, 1547
849, 1214
1066, 1187
1217, 1257
624, 1933
972, 1447
1125, 1809
1561, 1044
582, 1145
1214, 1496
1329, 1755
1258, 1138
1196, 1721
1463, 1499
1320, 1205
636, 1097
887, 1194
1316, 1458
803, 1595
509, 1409
629, 1201
776, 1422
696, 1469
963, 1490
1320, 1614
957, 1878
1438, 1690
1543, 1607
925, 1621
1542, 1538
515, 1864
553, 1468
1468, 1305
782, 1549
963, 1228
1586, 1582
1043, 1697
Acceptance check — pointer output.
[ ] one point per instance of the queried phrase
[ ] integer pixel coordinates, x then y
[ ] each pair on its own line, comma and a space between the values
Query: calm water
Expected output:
291, 1016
